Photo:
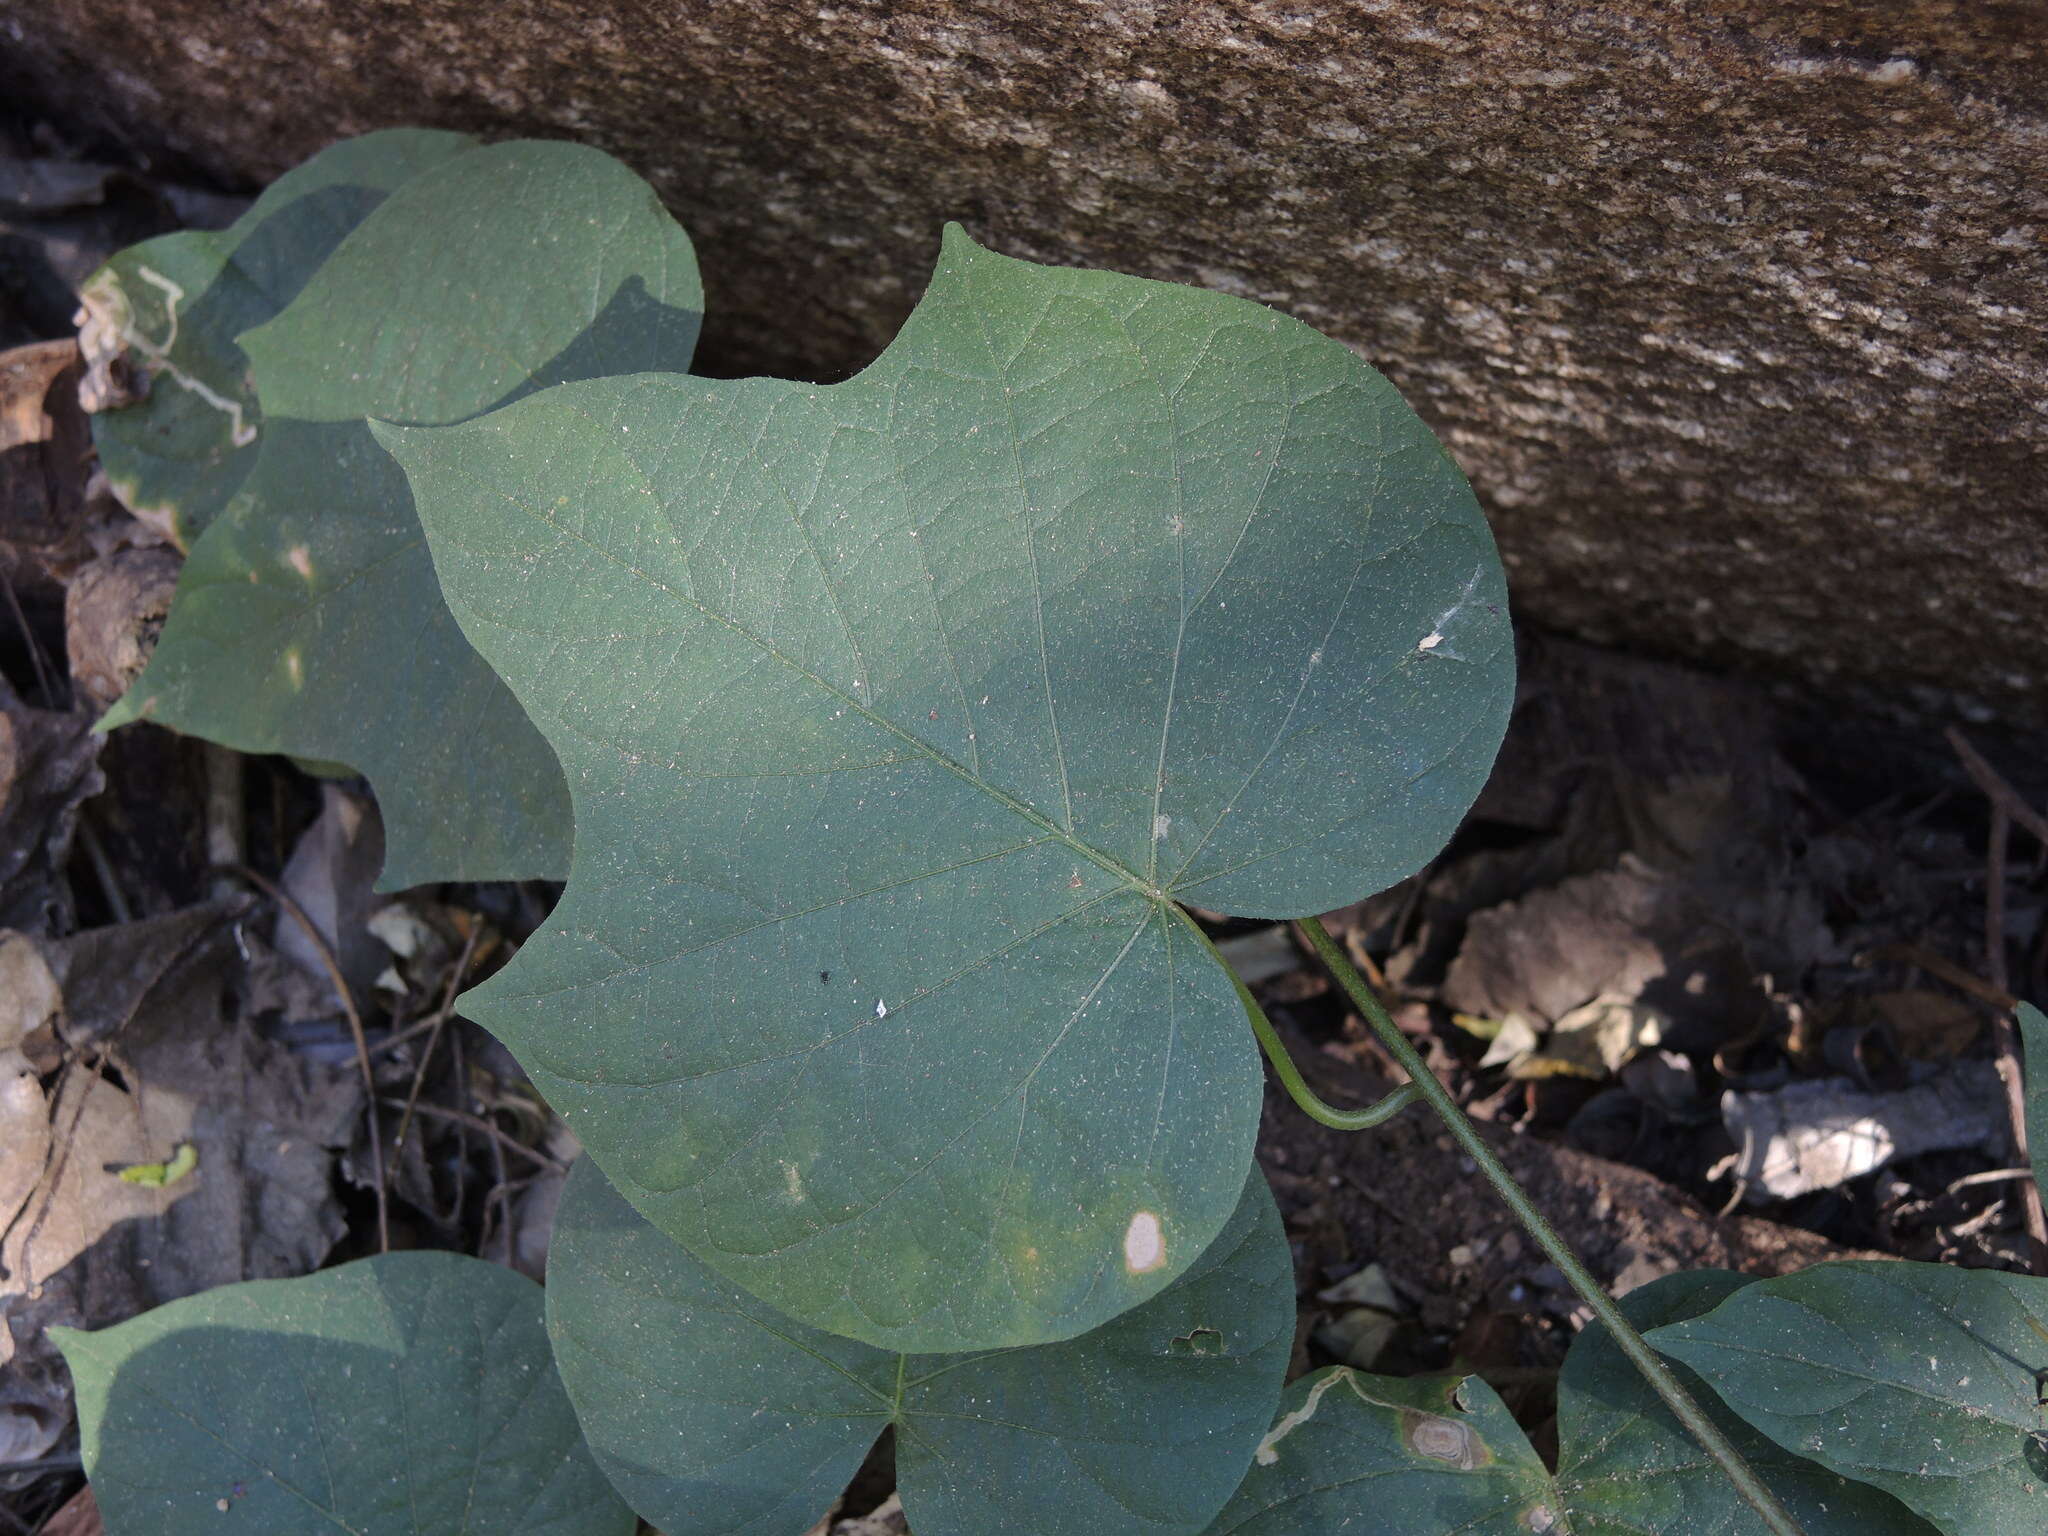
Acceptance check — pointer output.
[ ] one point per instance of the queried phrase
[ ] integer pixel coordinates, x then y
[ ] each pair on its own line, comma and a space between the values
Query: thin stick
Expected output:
355, 1025
2007, 807
440, 1020
1996, 788
43, 1464
1703, 1429
28, 636
1990, 1176
2007, 1036
477, 1123
1927, 960
103, 869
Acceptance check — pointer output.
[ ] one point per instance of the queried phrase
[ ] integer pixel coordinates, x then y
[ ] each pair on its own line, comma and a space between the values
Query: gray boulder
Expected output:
1735, 315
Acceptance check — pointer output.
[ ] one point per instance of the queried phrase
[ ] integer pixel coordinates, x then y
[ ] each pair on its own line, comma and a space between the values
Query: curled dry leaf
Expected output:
113, 612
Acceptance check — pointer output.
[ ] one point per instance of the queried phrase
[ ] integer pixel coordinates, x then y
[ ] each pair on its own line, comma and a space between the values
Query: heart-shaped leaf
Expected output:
713, 1413
1374, 1454
308, 620
408, 1395
1921, 1379
901, 715
174, 306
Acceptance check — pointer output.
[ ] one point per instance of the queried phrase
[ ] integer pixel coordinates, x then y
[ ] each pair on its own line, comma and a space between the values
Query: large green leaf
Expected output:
712, 1413
900, 716
176, 304
308, 620
1627, 1467
409, 1395
1373, 1454
1369, 1454
2034, 1039
1918, 1378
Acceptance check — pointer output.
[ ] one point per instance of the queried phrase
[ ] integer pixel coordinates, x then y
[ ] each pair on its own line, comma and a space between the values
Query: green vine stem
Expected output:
1767, 1504
1306, 1099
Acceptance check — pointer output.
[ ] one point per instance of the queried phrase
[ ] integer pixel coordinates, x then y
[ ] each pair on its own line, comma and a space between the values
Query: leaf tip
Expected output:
955, 242
389, 435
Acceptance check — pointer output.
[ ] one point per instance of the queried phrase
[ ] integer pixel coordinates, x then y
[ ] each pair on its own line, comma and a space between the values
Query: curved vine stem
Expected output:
1306, 1099
1766, 1503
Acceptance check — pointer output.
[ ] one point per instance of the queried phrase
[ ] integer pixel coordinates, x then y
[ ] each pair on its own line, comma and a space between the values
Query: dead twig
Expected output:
355, 1023
2006, 808
1935, 965
1996, 789
28, 637
1991, 1176
102, 868
439, 1022
477, 1123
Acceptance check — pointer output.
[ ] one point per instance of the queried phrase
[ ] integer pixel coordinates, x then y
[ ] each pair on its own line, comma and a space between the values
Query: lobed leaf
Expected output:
901, 715
176, 304
1920, 1379
1370, 1454
411, 1393
307, 620
712, 1413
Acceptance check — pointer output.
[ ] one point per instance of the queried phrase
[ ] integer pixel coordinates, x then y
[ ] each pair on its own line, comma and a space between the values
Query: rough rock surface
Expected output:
1733, 313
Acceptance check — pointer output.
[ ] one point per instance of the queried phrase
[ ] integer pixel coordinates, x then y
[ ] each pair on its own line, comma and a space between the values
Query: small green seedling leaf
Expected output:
408, 1395
307, 620
156, 1175
1372, 1454
902, 715
2034, 1041
712, 1413
174, 306
1920, 1379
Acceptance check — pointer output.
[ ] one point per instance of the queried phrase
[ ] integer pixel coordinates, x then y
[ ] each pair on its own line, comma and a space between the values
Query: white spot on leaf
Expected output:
1443, 1439
881, 1009
1160, 824
1144, 1243
1431, 640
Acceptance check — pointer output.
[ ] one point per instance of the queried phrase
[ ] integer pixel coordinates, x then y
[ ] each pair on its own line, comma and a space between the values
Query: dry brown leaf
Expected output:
26, 376
80, 1516
157, 1060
